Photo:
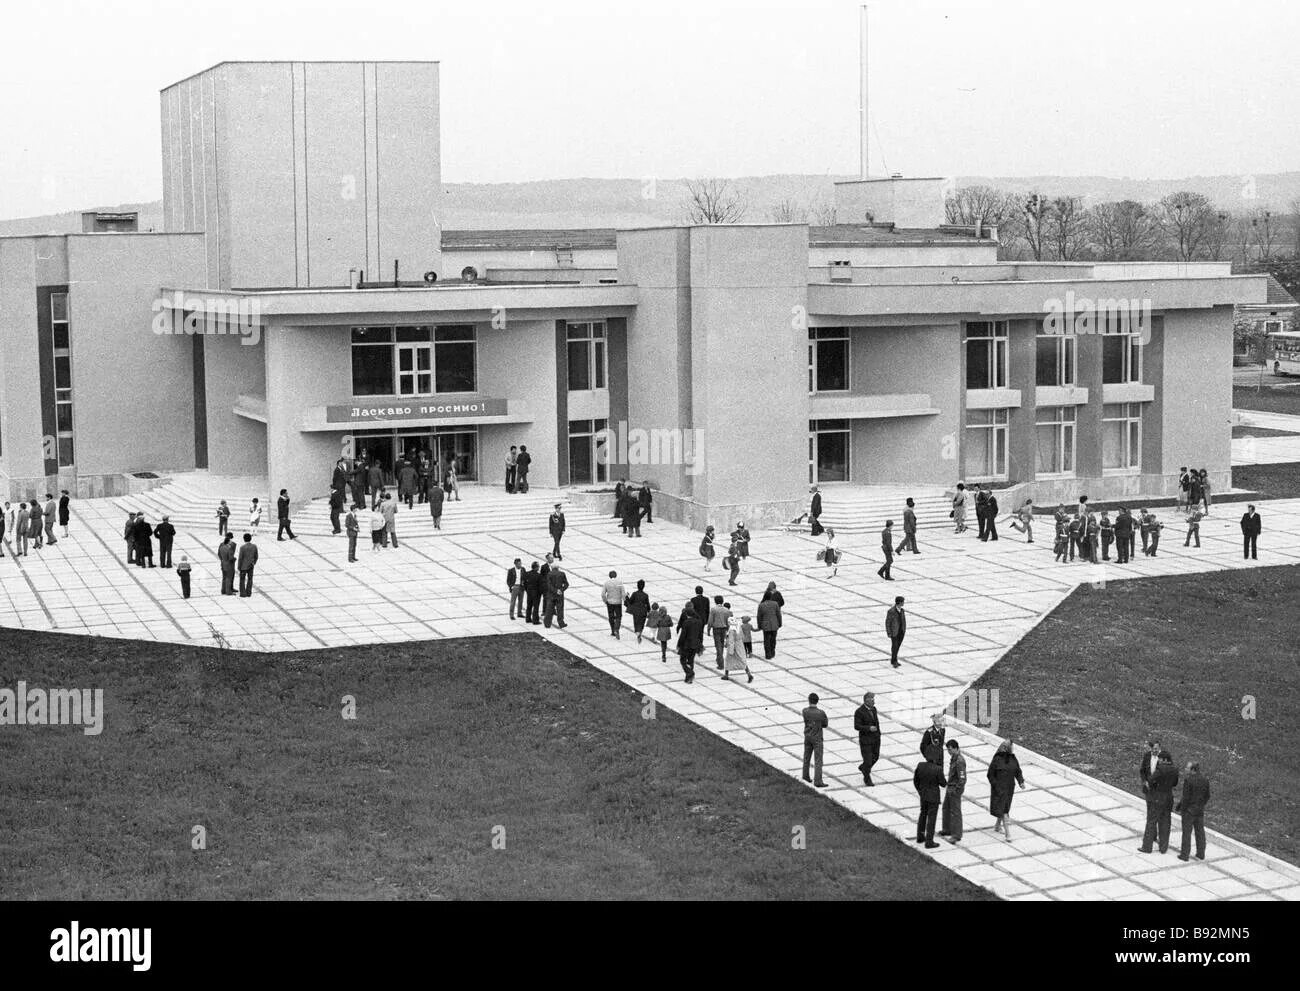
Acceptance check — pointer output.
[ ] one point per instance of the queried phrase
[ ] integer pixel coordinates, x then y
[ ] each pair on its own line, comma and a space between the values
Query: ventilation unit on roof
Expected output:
841, 270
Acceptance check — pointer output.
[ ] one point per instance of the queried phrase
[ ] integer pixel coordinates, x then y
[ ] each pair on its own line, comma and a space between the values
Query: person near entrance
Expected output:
449, 482
556, 526
522, 464
336, 509
510, 468
388, 508
282, 516
407, 480
375, 480
353, 528
435, 505
815, 512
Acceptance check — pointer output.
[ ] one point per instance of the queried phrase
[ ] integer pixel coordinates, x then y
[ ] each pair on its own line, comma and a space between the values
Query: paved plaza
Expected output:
1074, 837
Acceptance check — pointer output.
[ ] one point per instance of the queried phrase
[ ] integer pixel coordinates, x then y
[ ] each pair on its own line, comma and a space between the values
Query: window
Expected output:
1121, 358
1055, 435
986, 354
829, 450
588, 454
828, 360
61, 339
986, 444
1056, 359
587, 361
413, 361
1121, 437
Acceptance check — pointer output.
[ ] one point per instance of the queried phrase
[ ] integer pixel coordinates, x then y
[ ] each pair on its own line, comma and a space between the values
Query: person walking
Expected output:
1024, 520
336, 510
352, 527
223, 519
1160, 804
706, 547
533, 594
166, 534
377, 524
388, 509
927, 779
690, 640
515, 585
958, 514
909, 529
887, 548
450, 482
556, 526
1191, 807
1156, 526
829, 555
814, 724
732, 561
768, 618
65, 510
226, 558
1003, 774
435, 505
557, 583
631, 513
645, 503
282, 516
246, 562
718, 622
22, 530
895, 629
982, 511
734, 657
612, 594
951, 826
51, 508
183, 572
1250, 527
36, 524
408, 480
358, 481
638, 607
866, 721
1194, 527
747, 635
374, 482
660, 625
815, 511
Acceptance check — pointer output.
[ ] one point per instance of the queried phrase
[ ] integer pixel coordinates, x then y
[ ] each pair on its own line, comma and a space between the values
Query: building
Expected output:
306, 304
1277, 313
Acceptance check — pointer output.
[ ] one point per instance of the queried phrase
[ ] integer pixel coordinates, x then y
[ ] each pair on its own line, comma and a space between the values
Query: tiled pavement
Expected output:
1074, 837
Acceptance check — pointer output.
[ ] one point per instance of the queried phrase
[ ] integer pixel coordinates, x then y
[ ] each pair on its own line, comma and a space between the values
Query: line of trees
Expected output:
1182, 226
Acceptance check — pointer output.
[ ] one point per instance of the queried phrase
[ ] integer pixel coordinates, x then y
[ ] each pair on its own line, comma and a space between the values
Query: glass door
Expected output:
459, 447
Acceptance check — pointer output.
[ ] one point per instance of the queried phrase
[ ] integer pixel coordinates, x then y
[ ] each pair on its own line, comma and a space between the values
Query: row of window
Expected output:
1054, 441
61, 340
987, 358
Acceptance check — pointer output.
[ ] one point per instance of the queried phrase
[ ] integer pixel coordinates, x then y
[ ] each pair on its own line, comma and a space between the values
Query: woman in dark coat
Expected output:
638, 605
64, 511
1004, 773
631, 514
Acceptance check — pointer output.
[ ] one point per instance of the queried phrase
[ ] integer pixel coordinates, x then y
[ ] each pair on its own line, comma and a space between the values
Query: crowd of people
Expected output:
32, 524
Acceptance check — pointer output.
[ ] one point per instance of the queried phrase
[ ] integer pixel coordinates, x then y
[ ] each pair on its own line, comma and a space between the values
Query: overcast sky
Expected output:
569, 88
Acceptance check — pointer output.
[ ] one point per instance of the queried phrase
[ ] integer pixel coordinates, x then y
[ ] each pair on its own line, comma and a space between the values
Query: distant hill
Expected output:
646, 203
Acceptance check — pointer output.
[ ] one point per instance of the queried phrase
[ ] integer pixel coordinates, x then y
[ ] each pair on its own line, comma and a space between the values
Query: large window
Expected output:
1056, 359
588, 455
986, 354
986, 444
413, 361
62, 377
1121, 437
1055, 435
588, 365
1121, 358
828, 360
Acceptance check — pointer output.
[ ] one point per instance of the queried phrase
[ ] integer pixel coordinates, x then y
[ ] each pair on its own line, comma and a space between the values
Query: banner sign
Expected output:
417, 409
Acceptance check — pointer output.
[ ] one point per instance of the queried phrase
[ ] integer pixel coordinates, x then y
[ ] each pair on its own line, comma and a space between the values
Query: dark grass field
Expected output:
1175, 656
1280, 481
1281, 398
1238, 432
451, 740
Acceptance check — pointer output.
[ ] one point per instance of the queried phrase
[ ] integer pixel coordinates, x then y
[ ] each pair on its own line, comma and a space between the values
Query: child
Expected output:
706, 547
1156, 527
1194, 527
1062, 541
663, 627
747, 635
223, 519
1026, 516
1107, 534
183, 569
254, 518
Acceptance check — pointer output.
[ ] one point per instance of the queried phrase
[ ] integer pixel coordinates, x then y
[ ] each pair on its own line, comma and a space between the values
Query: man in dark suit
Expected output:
866, 720
523, 462
928, 779
226, 558
1196, 794
887, 549
515, 583
166, 534
533, 593
814, 722
909, 529
556, 526
815, 512
1249, 533
282, 516
1160, 803
1149, 761
246, 562
768, 618
436, 496
896, 628
645, 500
991, 516
932, 740
1123, 535
701, 604
557, 583
690, 640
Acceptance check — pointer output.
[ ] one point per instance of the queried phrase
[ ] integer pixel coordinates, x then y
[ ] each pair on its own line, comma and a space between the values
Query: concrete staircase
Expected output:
191, 502
856, 509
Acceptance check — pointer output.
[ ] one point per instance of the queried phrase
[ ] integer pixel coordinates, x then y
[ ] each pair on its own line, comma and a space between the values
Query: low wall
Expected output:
696, 516
1132, 489
79, 487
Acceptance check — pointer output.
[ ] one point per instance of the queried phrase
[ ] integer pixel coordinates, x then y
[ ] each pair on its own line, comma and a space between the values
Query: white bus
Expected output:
1285, 348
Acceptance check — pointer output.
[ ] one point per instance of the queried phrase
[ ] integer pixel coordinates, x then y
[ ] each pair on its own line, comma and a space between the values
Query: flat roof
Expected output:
289, 61
606, 238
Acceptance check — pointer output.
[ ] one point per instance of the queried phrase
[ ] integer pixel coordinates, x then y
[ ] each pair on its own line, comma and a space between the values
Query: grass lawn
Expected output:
1174, 656
1272, 399
451, 739
1280, 481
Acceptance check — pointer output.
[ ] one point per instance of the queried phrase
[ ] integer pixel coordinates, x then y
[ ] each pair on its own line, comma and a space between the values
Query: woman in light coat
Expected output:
734, 653
959, 508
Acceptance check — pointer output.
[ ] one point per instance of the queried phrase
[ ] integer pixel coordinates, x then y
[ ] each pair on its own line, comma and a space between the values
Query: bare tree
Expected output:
1242, 235
1264, 230
1216, 236
789, 211
1035, 211
1186, 217
1123, 231
1295, 226
823, 212
714, 201
980, 207
1067, 228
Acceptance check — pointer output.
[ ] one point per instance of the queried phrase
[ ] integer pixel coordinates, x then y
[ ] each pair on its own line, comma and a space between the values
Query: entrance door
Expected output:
380, 449
828, 451
460, 446
414, 370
